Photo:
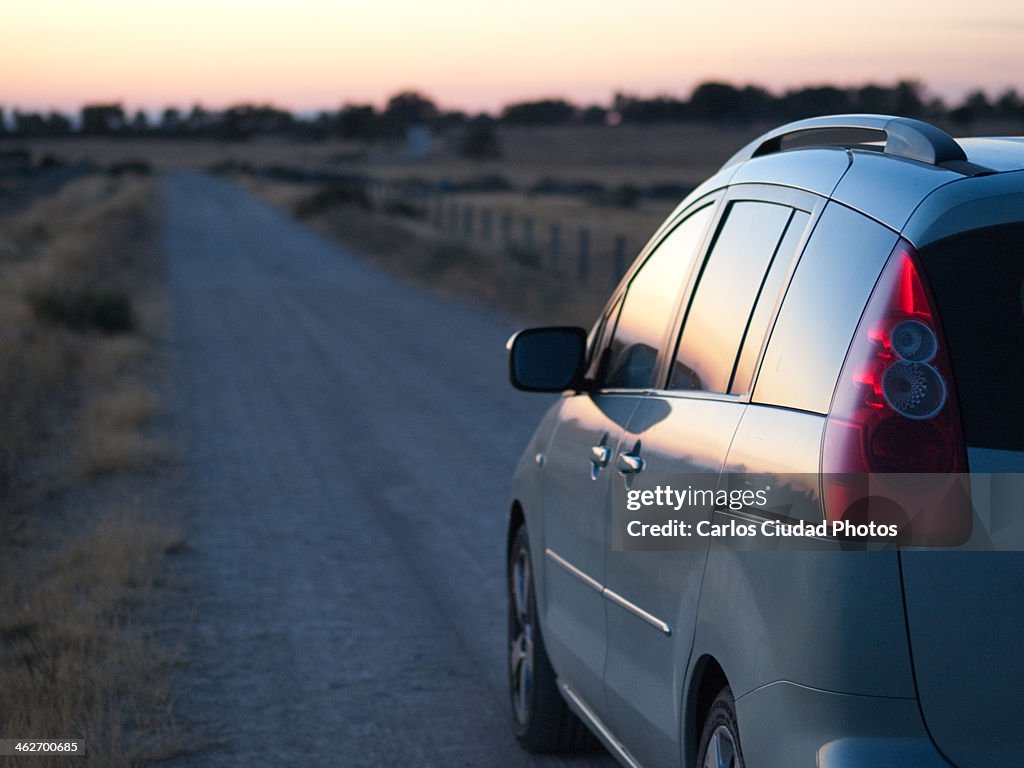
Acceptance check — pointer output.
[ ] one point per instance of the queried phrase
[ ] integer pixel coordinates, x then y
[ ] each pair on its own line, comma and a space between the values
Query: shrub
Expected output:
84, 309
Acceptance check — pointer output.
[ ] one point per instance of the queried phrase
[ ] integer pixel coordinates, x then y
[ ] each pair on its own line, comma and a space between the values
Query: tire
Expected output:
720, 739
541, 719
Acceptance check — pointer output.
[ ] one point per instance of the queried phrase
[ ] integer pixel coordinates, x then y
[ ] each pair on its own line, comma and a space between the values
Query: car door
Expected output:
577, 465
678, 438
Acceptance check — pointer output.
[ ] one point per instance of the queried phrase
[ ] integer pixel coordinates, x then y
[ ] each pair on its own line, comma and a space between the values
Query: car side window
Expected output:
821, 310
597, 346
729, 284
754, 338
650, 304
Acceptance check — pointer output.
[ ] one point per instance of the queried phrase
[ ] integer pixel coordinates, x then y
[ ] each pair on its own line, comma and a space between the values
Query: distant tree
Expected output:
821, 100
593, 114
58, 124
245, 120
543, 112
480, 139
199, 121
29, 124
631, 109
975, 106
909, 97
35, 124
102, 119
716, 101
357, 121
3, 122
170, 122
1008, 105
406, 109
451, 119
140, 123
874, 99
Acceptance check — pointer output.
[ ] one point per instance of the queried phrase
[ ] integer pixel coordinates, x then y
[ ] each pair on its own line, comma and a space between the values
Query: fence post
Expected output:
453, 216
467, 220
528, 232
556, 242
583, 266
506, 229
485, 225
439, 211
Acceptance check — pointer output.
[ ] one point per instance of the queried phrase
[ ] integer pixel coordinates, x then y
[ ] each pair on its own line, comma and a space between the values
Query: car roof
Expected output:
1000, 153
886, 174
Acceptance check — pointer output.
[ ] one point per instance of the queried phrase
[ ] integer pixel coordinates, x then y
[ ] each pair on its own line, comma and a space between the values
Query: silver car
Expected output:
834, 321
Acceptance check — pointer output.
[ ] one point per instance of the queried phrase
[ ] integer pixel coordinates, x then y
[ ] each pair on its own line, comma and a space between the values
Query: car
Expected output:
818, 355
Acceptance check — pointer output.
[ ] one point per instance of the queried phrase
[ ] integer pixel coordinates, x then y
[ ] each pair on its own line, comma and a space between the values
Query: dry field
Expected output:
80, 309
529, 257
626, 154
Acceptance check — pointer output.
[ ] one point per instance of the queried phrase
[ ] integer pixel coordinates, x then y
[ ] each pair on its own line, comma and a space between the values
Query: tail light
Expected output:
894, 459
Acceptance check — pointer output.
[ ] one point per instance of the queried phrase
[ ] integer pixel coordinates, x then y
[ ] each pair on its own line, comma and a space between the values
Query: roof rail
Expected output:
904, 137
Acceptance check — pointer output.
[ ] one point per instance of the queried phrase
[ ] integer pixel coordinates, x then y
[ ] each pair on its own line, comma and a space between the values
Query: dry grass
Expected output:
517, 281
111, 436
76, 664
76, 656
626, 154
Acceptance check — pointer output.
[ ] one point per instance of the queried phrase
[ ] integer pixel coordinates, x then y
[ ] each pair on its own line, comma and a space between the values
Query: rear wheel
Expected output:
720, 740
541, 718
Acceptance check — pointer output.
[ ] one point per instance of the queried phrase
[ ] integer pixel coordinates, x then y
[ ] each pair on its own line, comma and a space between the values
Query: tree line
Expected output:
709, 102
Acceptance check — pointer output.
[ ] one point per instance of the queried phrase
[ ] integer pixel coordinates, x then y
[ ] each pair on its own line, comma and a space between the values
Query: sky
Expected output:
475, 55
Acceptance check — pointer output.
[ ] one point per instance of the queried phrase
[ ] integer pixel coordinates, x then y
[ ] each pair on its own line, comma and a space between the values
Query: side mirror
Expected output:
547, 359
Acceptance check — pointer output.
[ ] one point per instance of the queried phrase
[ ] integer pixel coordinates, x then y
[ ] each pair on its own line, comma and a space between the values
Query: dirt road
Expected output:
352, 441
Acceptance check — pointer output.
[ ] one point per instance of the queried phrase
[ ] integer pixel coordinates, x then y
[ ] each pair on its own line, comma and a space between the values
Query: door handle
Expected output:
629, 462
600, 455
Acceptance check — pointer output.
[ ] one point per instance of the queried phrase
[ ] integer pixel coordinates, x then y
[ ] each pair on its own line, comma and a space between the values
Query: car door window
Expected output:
768, 296
821, 309
729, 284
650, 303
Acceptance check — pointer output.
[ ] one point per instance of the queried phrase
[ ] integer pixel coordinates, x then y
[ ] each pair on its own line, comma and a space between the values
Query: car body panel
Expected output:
832, 730
757, 459
684, 443
813, 170
826, 619
575, 537
889, 189
966, 626
969, 203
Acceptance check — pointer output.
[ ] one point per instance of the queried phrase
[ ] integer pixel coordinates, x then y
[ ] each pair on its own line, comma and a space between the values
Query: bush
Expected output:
334, 194
85, 309
403, 208
480, 141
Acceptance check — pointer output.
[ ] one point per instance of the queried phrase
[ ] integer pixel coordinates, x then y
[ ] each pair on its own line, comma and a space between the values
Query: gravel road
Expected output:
352, 442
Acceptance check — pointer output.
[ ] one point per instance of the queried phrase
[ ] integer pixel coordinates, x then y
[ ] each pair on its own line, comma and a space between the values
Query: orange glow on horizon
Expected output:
314, 53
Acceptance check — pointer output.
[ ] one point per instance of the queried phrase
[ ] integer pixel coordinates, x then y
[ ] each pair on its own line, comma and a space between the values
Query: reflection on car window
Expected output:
725, 295
766, 300
649, 304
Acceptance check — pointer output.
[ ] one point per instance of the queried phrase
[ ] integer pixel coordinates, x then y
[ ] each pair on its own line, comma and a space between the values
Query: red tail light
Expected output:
894, 453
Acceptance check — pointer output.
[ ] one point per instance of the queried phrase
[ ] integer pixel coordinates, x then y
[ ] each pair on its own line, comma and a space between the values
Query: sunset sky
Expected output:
305, 54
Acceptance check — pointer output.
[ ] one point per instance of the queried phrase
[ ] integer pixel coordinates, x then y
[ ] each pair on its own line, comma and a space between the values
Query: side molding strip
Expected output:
654, 621
615, 597
589, 581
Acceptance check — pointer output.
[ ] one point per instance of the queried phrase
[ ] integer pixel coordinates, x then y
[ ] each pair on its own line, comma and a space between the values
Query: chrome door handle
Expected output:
600, 455
630, 463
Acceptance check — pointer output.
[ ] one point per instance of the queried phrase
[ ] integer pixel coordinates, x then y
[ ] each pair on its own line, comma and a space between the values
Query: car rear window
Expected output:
977, 279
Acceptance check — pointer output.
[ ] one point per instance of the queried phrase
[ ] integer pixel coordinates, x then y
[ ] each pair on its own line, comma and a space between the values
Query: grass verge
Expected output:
80, 309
